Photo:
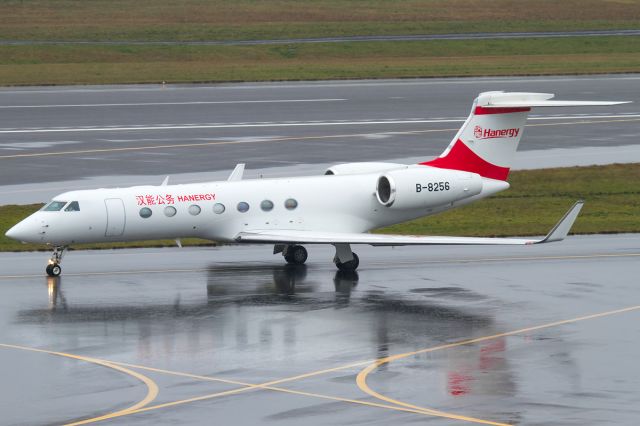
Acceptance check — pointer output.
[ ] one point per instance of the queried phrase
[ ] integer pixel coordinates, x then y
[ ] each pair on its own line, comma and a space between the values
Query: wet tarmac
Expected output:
533, 335
62, 134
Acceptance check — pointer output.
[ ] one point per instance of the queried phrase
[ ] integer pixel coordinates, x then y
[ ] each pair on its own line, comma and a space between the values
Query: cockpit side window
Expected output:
54, 206
73, 207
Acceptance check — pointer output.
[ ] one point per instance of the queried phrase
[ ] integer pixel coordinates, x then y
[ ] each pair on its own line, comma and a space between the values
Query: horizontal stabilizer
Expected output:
552, 104
558, 233
528, 100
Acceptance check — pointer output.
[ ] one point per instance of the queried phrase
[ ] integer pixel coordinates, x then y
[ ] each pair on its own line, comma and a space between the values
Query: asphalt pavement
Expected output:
533, 335
347, 39
64, 134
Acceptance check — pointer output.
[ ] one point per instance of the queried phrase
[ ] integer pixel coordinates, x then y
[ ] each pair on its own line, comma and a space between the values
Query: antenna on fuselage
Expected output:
165, 181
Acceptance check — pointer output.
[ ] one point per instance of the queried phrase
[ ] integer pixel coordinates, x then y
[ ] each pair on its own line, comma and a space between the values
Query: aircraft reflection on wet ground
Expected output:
325, 306
286, 286
490, 334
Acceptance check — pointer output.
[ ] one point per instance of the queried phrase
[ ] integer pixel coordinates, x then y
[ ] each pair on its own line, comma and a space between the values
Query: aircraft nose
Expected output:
19, 232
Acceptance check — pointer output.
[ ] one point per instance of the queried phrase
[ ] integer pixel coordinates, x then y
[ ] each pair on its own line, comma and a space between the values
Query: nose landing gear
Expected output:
53, 268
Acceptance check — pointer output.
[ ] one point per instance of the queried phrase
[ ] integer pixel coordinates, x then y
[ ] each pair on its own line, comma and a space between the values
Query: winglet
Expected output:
237, 173
562, 228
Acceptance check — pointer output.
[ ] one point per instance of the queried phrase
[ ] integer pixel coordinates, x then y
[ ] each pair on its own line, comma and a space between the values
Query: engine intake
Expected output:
425, 187
386, 191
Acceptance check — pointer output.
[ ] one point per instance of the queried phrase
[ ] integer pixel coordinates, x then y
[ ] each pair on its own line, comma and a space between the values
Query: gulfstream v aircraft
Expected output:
337, 208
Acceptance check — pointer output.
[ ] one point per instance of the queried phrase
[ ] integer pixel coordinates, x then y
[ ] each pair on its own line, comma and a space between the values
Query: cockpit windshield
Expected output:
54, 206
73, 207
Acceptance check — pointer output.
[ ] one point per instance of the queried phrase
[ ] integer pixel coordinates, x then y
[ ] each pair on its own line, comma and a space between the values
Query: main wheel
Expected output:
296, 255
351, 265
54, 270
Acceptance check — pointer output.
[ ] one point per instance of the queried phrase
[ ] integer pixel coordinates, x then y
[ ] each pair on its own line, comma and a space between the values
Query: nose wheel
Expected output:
54, 269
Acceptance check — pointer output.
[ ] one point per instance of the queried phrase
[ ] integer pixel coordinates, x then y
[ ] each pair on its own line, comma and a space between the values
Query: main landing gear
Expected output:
349, 266
295, 255
53, 268
345, 260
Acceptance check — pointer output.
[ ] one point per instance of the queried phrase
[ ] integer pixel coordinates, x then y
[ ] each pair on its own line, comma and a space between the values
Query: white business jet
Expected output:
337, 208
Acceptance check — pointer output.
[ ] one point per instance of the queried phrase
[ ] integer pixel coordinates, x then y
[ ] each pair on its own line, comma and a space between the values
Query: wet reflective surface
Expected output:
238, 314
205, 128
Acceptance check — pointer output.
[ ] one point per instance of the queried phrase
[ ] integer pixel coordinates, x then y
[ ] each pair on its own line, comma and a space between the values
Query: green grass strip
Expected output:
127, 20
111, 64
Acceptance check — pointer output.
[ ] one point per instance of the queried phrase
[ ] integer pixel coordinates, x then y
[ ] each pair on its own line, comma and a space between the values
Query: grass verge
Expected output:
535, 202
538, 198
111, 64
193, 20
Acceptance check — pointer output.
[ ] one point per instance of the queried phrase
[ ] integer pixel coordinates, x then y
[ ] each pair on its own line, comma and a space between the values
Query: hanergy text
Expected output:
157, 199
481, 133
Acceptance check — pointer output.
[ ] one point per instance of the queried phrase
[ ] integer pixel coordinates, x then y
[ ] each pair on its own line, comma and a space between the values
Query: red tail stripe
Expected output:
480, 110
461, 157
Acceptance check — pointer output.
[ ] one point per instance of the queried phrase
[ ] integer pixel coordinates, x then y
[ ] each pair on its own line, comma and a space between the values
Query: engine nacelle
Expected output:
425, 187
361, 168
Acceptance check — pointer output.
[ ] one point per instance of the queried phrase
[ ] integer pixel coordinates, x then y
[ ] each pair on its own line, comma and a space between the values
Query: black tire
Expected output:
296, 255
349, 266
54, 270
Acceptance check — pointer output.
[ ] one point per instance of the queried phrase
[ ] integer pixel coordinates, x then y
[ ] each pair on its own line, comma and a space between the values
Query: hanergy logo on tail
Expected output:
480, 133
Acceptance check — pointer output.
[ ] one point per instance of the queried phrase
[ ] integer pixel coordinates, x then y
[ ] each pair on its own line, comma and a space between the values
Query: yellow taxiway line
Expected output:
361, 379
390, 403
152, 387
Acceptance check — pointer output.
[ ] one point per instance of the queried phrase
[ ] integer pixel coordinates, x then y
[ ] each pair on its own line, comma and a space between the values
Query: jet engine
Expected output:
359, 168
425, 187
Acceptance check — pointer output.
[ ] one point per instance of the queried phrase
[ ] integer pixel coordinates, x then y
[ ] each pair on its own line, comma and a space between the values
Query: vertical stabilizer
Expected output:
487, 141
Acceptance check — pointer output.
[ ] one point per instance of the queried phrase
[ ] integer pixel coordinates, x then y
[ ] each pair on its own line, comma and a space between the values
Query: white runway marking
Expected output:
116, 128
266, 101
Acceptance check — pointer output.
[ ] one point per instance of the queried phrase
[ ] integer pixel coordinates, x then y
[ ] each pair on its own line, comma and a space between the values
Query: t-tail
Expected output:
487, 141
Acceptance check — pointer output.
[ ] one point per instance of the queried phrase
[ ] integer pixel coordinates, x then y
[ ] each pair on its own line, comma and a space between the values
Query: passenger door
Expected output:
115, 217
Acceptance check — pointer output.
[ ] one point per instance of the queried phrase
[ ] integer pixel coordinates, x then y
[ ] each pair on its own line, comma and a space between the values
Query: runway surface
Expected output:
533, 335
63, 134
348, 39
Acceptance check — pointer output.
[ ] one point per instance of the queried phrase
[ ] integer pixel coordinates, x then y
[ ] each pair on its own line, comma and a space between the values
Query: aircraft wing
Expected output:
557, 233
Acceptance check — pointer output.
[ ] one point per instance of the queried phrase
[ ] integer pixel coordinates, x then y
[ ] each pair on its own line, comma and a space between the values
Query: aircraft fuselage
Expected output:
215, 210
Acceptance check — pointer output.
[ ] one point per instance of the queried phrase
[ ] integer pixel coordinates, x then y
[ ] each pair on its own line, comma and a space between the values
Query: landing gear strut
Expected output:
53, 268
296, 255
349, 266
345, 259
